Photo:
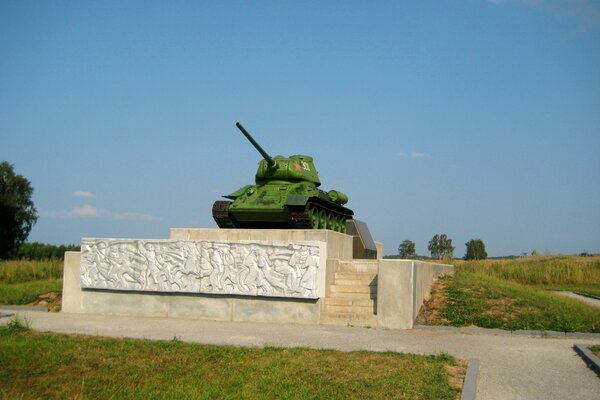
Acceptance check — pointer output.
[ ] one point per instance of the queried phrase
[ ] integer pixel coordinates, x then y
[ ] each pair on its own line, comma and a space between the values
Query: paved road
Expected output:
588, 300
511, 366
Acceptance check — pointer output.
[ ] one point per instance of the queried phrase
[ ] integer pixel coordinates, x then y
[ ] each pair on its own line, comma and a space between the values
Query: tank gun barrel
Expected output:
266, 156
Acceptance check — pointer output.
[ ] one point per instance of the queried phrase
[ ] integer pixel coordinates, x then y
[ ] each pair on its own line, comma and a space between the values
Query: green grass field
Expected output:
20, 271
28, 292
22, 281
545, 271
49, 366
516, 294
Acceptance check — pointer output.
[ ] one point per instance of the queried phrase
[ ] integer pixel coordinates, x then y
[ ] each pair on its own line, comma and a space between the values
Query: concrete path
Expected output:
511, 366
589, 300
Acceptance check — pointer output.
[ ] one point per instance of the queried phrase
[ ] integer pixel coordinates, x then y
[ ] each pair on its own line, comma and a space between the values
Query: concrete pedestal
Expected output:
401, 285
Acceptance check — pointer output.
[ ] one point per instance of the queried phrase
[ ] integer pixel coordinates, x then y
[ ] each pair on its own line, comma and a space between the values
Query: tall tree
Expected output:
475, 250
17, 212
407, 249
440, 247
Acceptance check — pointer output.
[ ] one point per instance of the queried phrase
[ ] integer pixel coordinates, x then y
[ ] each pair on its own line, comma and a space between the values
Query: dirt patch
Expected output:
430, 312
52, 300
456, 374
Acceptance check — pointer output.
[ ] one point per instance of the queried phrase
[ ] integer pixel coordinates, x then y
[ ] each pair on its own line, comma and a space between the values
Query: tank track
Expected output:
301, 217
220, 212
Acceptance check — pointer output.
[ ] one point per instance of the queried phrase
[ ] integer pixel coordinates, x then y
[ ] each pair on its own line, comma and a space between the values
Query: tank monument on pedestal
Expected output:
285, 252
286, 195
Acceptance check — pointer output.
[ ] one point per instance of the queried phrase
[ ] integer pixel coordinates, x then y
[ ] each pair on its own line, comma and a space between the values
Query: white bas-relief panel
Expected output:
254, 268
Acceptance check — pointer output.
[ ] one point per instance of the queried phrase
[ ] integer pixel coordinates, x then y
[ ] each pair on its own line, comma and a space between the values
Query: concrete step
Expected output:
352, 289
349, 319
355, 282
355, 275
343, 301
360, 310
358, 266
353, 296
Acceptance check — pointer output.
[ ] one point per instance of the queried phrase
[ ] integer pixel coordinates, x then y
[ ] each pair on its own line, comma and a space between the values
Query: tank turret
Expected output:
286, 194
295, 168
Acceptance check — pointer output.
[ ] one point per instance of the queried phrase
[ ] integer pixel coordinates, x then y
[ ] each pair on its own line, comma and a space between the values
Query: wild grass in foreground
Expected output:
490, 302
49, 366
595, 349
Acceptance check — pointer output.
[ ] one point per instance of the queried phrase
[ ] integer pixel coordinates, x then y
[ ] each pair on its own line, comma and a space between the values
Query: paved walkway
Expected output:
511, 366
589, 300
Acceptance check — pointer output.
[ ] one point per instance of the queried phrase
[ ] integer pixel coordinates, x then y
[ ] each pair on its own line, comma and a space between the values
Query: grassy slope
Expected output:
514, 294
58, 366
488, 302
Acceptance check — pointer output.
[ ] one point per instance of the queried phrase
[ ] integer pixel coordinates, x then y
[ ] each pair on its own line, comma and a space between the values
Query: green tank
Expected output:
286, 195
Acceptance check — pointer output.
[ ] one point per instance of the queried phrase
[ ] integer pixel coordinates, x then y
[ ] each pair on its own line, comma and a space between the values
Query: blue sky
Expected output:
474, 118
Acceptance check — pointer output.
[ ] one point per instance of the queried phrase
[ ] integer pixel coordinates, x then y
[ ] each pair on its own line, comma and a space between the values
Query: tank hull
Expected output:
281, 205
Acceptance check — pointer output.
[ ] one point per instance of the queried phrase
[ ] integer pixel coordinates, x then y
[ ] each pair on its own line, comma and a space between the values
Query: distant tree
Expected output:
440, 247
475, 250
42, 251
407, 249
17, 212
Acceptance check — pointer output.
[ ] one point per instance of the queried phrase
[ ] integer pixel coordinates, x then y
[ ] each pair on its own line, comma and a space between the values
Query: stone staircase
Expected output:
353, 295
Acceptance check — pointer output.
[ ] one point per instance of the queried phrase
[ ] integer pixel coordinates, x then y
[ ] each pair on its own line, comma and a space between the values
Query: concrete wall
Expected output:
206, 306
71, 294
218, 308
402, 286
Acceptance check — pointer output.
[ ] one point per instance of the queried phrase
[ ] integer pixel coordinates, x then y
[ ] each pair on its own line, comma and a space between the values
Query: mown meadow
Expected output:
516, 294
50, 366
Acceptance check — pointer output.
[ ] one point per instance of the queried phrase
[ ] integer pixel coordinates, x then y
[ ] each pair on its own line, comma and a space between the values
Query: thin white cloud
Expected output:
88, 211
417, 155
85, 211
83, 194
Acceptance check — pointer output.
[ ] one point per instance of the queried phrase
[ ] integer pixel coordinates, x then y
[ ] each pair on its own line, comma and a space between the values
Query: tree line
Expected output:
440, 247
43, 251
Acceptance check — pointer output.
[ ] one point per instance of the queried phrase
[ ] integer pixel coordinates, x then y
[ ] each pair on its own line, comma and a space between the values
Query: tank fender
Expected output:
238, 192
296, 200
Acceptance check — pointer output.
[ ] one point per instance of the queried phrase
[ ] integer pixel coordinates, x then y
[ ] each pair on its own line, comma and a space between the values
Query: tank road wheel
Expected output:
337, 224
314, 216
331, 222
342, 225
322, 219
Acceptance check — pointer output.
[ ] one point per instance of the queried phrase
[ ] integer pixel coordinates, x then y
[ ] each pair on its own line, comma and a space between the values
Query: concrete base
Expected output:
402, 286
400, 289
